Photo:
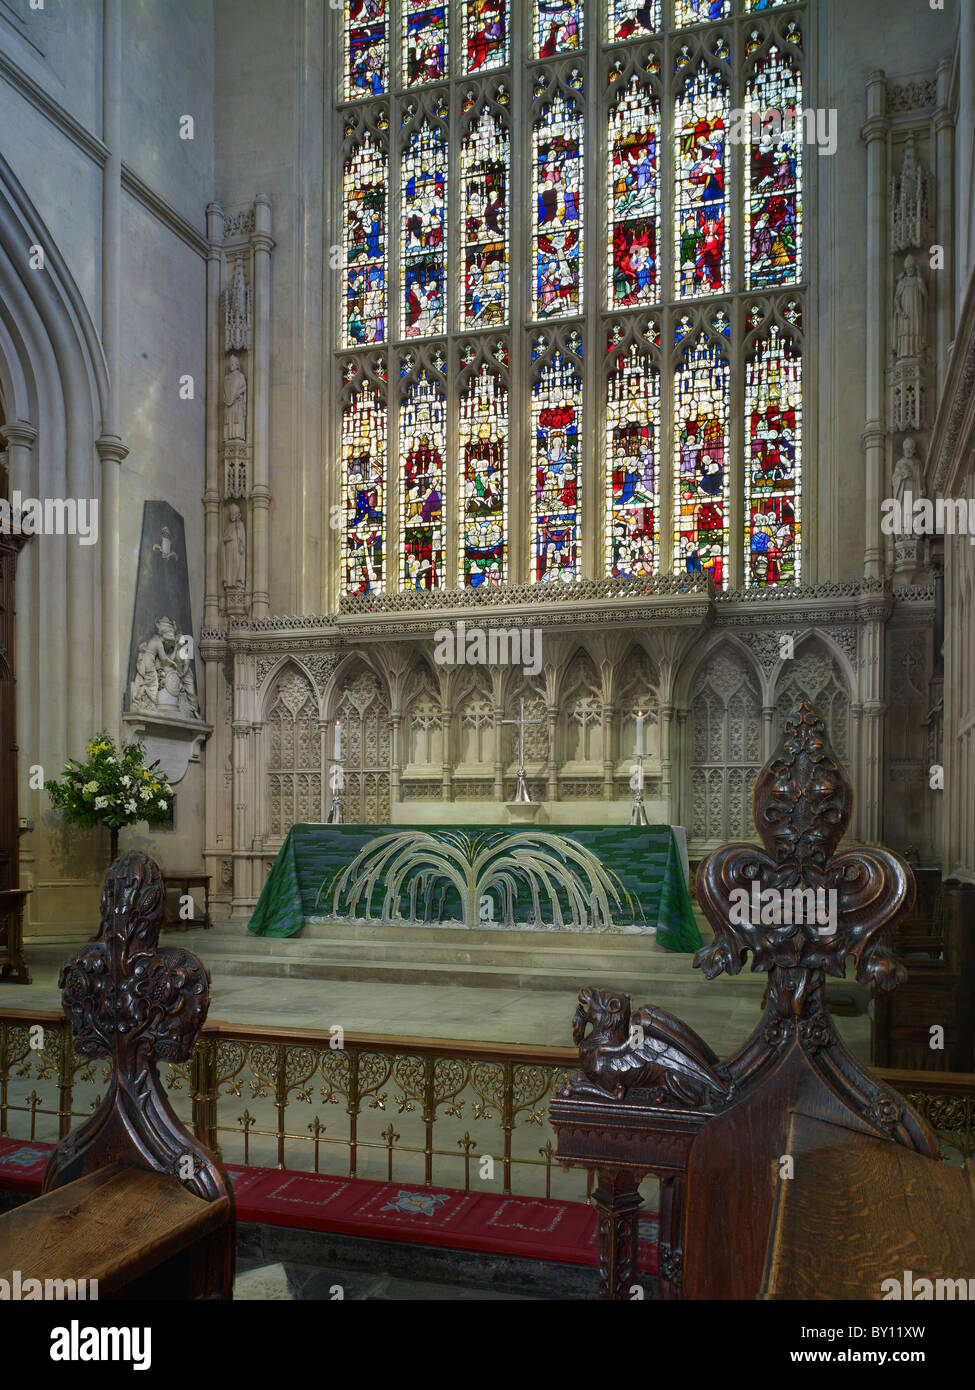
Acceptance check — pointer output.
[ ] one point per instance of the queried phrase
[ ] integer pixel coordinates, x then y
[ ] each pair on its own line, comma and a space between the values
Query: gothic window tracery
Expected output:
292, 755
726, 747
658, 209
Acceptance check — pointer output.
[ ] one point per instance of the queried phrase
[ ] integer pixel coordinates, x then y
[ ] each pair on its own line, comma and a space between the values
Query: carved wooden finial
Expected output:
133, 1001
836, 905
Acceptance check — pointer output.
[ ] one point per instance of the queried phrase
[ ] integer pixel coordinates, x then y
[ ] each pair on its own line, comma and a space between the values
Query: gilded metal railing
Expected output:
457, 1112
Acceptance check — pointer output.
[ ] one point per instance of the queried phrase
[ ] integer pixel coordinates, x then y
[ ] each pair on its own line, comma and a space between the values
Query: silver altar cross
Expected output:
521, 786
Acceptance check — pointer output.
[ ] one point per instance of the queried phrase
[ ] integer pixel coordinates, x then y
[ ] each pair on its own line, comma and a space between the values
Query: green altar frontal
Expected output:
568, 878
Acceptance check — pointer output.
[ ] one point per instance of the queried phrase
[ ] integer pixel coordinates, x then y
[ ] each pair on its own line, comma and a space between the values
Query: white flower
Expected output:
110, 760
126, 781
101, 802
163, 805
129, 807
145, 794
89, 788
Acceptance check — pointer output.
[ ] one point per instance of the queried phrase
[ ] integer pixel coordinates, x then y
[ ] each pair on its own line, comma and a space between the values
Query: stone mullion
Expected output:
609, 759
591, 521
736, 520
397, 144
520, 453
665, 315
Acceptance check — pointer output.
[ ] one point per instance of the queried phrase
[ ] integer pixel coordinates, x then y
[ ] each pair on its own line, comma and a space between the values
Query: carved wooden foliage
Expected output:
133, 1001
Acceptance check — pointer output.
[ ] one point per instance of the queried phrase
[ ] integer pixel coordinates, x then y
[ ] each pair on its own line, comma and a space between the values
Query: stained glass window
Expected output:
364, 471
634, 181
484, 224
556, 27
364, 237
423, 447
457, 262
483, 442
773, 172
424, 213
697, 11
632, 464
424, 42
700, 195
631, 19
557, 186
485, 35
366, 49
701, 460
773, 464
556, 412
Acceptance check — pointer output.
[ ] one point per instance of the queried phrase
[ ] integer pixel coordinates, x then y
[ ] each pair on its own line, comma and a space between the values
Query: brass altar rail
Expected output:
435, 1084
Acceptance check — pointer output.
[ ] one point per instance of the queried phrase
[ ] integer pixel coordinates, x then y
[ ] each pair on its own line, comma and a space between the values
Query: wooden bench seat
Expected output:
130, 1198
860, 1211
117, 1226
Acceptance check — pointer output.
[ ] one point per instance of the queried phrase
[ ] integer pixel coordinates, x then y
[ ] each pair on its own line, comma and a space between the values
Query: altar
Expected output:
581, 878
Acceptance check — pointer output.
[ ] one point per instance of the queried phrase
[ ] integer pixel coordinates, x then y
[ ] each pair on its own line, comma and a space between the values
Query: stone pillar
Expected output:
609, 750
768, 731
111, 450
447, 771
396, 772
874, 133
20, 436
242, 858
552, 771
666, 762
679, 810
262, 244
212, 487
944, 127
498, 754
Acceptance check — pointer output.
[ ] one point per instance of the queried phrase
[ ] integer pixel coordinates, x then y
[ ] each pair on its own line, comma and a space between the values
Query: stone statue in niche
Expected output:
165, 679
907, 476
910, 298
234, 549
234, 403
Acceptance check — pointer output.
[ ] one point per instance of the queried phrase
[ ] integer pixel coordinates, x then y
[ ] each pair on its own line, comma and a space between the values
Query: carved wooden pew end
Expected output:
652, 1097
131, 1198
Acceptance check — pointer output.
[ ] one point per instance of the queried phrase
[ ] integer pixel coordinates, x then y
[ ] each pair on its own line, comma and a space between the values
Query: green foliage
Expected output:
113, 788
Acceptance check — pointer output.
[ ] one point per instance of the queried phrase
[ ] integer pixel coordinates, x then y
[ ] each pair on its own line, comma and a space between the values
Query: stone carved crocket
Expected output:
648, 1048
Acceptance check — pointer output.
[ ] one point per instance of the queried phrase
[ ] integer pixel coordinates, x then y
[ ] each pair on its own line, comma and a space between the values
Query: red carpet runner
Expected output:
533, 1227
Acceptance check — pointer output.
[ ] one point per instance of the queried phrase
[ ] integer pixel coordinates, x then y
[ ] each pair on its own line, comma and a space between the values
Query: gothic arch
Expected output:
723, 747
821, 672
54, 381
291, 751
360, 699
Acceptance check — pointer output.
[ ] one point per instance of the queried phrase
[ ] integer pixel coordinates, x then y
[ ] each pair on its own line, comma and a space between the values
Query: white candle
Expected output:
639, 735
338, 741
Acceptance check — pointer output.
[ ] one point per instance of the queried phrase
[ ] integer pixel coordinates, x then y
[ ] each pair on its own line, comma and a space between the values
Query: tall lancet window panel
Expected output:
556, 414
557, 26
773, 166
701, 447
773, 435
363, 458
634, 183
364, 240
422, 450
424, 219
425, 38
366, 48
557, 181
701, 174
485, 214
483, 442
633, 452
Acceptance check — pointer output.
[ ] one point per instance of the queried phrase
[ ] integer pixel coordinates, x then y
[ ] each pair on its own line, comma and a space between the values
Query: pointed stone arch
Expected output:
360, 700
724, 745
818, 671
292, 751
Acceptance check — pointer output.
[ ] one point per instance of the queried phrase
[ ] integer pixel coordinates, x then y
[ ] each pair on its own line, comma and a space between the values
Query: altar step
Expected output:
528, 960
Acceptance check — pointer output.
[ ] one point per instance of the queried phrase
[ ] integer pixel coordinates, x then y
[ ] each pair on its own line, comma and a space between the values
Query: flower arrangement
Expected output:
112, 788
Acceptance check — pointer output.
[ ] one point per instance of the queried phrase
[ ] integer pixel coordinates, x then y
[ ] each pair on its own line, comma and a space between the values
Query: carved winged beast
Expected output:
649, 1048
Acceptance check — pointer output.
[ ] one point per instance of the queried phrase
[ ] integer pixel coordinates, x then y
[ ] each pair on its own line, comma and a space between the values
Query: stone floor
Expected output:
723, 1011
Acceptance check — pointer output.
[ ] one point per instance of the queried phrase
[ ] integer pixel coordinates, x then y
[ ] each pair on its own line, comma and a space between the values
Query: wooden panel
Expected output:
859, 1211
136, 1221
